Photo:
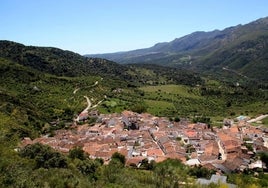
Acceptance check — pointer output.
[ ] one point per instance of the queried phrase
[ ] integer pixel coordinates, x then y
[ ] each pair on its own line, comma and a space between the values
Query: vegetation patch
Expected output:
168, 90
159, 107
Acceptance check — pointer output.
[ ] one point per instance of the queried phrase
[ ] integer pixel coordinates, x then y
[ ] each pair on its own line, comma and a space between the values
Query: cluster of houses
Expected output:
143, 136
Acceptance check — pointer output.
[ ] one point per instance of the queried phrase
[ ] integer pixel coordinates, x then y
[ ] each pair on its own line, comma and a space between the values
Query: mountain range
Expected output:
240, 50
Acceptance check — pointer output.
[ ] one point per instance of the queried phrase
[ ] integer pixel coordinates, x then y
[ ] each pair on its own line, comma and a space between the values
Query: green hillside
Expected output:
58, 62
37, 91
43, 89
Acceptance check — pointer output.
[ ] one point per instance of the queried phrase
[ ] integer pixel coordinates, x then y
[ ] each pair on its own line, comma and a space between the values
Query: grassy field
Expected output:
173, 100
185, 101
159, 107
169, 90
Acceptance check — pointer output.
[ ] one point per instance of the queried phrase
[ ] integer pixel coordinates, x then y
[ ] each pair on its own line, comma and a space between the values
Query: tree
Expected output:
202, 119
200, 172
119, 157
44, 156
111, 172
77, 152
169, 172
148, 165
264, 157
177, 119
89, 167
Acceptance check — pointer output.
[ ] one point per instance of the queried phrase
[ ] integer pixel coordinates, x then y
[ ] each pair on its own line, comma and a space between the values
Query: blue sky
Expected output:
100, 26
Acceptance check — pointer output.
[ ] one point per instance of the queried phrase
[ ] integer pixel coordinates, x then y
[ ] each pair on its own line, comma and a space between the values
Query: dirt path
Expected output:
88, 105
76, 90
259, 118
96, 83
234, 71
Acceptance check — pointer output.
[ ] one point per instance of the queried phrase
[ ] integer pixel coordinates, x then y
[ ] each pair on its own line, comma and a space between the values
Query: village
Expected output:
231, 148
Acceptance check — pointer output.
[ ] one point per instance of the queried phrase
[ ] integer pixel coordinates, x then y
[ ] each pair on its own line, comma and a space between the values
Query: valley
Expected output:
93, 122
133, 94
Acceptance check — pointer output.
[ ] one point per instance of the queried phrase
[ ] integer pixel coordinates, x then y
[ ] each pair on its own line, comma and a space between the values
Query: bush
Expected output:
44, 156
139, 108
201, 172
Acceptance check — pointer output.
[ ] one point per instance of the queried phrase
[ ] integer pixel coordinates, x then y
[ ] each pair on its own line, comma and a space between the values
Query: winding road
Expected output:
89, 104
96, 83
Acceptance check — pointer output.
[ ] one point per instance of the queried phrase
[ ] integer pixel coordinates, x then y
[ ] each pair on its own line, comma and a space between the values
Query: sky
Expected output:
105, 26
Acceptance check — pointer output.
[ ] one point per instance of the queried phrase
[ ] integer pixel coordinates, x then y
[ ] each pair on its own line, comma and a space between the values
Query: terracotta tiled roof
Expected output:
233, 164
232, 145
190, 133
134, 160
127, 113
210, 166
103, 154
123, 151
252, 130
102, 141
233, 129
160, 159
211, 148
204, 158
155, 152
175, 155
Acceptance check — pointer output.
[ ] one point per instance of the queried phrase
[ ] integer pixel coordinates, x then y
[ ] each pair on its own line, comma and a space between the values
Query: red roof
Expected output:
154, 152
191, 133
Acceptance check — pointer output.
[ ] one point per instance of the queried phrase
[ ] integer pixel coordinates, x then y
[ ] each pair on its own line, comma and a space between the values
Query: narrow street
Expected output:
221, 151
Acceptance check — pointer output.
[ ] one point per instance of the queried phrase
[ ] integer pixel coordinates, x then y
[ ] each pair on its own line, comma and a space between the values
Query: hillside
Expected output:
242, 49
65, 63
43, 89
58, 62
38, 83
37, 98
